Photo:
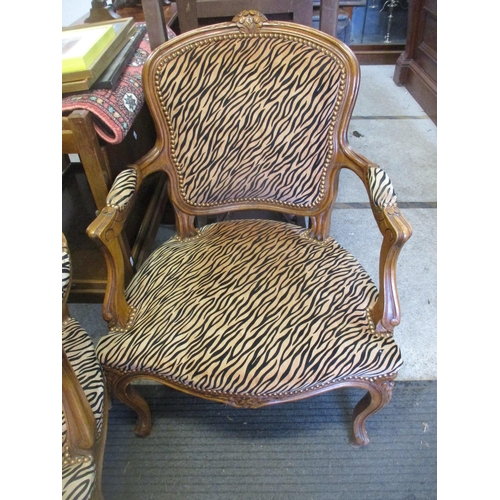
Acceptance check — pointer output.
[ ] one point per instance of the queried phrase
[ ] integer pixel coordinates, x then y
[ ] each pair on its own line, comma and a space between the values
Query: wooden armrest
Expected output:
395, 231
106, 231
80, 421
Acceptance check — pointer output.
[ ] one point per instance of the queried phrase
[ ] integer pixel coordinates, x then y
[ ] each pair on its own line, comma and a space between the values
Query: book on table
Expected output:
111, 75
80, 48
96, 53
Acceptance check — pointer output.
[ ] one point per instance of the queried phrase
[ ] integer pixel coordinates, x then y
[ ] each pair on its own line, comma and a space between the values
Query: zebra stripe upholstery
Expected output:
381, 188
251, 307
122, 189
66, 273
78, 478
78, 481
231, 125
79, 472
81, 354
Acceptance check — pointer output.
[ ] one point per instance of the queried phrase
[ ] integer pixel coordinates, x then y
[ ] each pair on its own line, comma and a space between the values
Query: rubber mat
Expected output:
200, 450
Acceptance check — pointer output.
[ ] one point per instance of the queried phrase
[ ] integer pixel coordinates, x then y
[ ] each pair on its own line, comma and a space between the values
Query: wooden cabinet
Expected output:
416, 68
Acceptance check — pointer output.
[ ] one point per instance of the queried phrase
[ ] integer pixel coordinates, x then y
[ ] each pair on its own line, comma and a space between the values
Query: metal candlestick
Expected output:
390, 4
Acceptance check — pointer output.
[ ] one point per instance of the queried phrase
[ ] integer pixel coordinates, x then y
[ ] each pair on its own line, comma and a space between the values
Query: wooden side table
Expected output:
85, 185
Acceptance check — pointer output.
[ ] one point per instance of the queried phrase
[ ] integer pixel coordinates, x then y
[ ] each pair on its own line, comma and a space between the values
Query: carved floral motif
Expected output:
249, 21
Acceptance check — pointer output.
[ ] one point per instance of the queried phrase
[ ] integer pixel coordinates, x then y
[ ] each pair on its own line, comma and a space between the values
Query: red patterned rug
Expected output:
115, 110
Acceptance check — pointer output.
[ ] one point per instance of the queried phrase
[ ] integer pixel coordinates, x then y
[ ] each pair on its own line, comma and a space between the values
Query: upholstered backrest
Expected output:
251, 110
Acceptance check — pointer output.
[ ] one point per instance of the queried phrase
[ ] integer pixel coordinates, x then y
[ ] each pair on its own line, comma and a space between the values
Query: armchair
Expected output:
84, 405
252, 114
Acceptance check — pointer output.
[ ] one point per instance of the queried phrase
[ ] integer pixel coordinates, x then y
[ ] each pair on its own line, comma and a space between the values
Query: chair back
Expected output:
250, 114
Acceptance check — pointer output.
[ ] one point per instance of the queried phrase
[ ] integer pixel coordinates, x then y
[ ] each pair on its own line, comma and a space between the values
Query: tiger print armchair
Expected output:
252, 114
84, 406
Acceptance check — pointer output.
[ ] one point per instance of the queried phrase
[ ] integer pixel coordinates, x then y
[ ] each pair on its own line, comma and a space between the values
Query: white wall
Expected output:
73, 10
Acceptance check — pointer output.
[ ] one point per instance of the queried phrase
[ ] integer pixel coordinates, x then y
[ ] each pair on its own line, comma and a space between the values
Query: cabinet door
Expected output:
416, 68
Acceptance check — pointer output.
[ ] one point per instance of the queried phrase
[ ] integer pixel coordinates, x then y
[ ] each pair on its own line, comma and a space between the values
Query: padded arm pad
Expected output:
66, 272
122, 190
381, 188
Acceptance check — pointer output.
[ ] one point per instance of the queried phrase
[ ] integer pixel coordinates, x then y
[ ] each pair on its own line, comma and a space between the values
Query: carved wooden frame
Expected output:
379, 393
392, 225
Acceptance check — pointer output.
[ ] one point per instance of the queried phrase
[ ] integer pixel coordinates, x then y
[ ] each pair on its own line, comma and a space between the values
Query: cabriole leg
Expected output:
129, 396
378, 395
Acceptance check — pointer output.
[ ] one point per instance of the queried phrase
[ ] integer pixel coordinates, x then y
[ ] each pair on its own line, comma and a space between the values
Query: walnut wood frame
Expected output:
106, 229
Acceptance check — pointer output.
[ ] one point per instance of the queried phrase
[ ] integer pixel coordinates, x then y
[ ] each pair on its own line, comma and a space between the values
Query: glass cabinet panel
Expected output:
370, 22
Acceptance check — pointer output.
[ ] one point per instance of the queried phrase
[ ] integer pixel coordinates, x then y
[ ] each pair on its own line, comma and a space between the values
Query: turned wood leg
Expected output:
129, 396
378, 395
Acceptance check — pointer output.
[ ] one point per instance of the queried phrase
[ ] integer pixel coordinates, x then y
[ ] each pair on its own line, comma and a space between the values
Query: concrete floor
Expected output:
391, 129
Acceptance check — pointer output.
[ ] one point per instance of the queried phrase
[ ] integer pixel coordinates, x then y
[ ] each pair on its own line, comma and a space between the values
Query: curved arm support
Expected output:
320, 225
395, 231
80, 422
106, 231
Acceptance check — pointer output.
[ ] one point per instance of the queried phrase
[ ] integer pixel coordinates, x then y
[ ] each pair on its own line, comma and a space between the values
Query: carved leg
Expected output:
130, 397
378, 395
99, 452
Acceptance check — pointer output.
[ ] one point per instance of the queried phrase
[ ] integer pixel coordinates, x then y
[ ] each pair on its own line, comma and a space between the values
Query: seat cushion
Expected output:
82, 357
251, 307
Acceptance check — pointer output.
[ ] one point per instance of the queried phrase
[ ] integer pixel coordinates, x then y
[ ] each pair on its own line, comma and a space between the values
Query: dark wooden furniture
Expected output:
87, 181
203, 12
84, 404
190, 12
156, 16
416, 68
85, 185
299, 11
328, 16
252, 312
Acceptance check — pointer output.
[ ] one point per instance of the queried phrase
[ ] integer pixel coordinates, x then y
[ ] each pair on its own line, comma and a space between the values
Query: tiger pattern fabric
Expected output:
82, 357
250, 118
66, 273
78, 478
381, 188
122, 189
251, 307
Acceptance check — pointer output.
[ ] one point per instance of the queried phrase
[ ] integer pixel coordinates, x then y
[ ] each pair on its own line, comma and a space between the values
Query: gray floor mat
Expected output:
200, 450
